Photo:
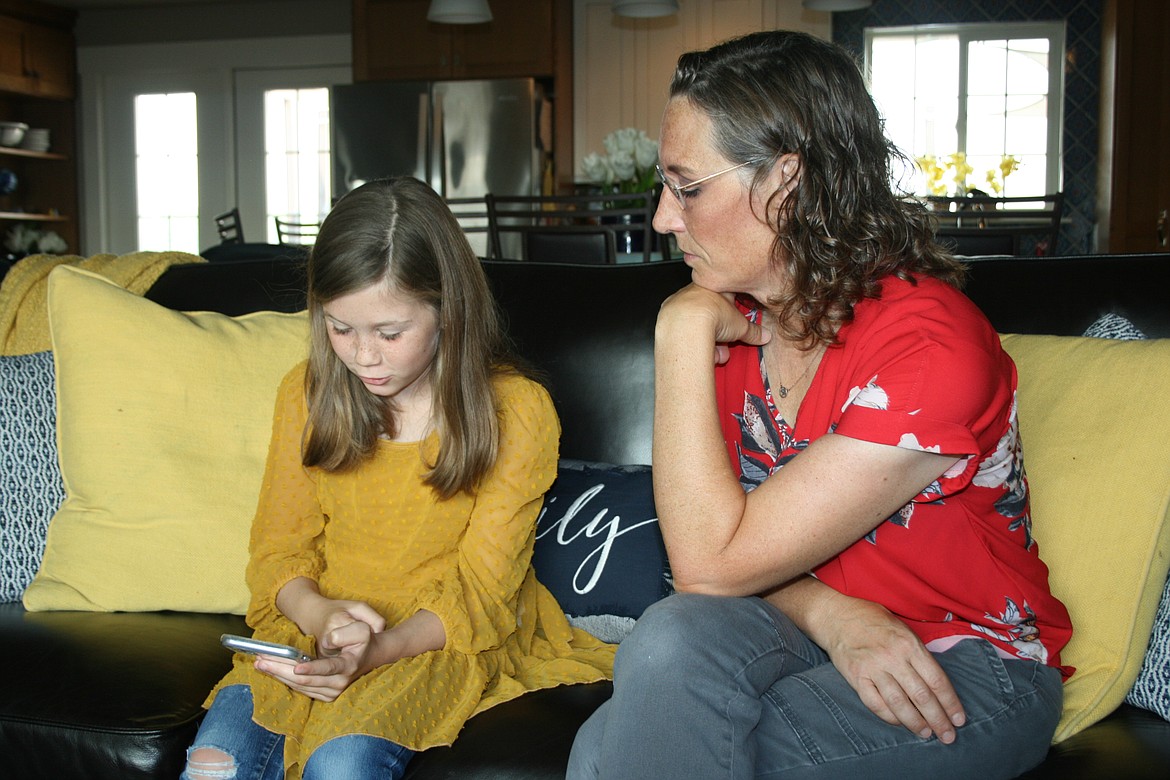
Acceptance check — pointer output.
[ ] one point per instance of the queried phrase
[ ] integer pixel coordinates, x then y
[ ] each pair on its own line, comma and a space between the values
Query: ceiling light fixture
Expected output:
836, 5
644, 8
459, 12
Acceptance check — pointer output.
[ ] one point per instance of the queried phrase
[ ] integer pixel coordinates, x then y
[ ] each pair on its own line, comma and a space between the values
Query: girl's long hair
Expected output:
843, 227
399, 232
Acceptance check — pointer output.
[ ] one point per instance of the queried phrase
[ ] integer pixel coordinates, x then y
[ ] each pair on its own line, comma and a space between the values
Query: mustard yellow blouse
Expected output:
379, 535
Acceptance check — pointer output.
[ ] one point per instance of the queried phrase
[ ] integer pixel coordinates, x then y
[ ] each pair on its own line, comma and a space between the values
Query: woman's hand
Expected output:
698, 313
893, 673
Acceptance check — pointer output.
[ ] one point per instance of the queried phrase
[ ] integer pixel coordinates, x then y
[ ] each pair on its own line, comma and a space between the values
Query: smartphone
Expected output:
243, 644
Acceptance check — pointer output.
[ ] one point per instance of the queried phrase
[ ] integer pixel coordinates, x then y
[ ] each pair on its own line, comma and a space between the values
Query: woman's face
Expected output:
726, 242
386, 339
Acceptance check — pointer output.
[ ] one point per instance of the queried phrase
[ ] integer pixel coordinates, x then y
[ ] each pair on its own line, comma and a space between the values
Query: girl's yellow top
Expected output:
377, 534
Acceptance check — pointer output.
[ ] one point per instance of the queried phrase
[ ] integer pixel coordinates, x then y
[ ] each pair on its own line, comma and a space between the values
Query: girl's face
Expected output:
722, 232
386, 339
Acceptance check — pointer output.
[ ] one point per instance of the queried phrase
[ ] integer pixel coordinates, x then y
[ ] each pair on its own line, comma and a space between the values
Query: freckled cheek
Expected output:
339, 344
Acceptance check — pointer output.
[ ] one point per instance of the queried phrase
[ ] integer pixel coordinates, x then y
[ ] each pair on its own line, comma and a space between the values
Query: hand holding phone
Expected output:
243, 644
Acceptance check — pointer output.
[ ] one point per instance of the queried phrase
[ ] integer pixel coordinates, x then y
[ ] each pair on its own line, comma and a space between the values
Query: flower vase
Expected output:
627, 241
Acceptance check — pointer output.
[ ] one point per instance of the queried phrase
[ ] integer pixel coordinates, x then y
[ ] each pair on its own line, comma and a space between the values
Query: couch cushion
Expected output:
1094, 439
598, 547
30, 480
163, 420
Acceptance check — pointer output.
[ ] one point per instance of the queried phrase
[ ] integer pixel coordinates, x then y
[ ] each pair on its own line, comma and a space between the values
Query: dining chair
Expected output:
526, 227
228, 226
983, 224
472, 215
295, 232
584, 245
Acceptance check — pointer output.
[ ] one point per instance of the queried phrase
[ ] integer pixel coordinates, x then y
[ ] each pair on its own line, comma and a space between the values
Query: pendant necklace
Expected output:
784, 391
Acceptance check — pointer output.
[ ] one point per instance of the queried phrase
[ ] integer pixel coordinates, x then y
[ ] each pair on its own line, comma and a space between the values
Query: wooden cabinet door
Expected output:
36, 60
13, 75
518, 41
49, 56
392, 39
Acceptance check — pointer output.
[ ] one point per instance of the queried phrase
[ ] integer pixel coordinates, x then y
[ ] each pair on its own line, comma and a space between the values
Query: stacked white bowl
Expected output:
36, 139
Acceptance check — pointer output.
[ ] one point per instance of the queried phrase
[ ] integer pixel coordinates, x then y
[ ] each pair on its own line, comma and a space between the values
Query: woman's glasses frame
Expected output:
680, 190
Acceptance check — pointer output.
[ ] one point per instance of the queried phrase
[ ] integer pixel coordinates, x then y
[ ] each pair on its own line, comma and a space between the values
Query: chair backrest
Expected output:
472, 216
621, 218
294, 232
229, 228
571, 245
982, 224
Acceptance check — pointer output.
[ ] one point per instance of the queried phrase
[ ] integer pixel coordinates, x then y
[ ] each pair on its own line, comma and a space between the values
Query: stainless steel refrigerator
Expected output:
464, 138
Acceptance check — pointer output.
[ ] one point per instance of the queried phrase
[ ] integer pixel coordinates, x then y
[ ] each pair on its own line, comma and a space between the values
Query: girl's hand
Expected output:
348, 652
698, 313
337, 614
315, 615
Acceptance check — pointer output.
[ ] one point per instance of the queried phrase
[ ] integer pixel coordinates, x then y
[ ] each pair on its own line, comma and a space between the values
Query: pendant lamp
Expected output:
459, 12
644, 8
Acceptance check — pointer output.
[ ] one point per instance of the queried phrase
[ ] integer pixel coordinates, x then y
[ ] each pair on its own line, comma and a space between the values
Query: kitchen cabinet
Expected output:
37, 87
36, 59
393, 40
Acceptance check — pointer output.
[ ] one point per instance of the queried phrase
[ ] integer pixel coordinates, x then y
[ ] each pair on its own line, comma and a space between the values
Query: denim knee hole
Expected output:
221, 765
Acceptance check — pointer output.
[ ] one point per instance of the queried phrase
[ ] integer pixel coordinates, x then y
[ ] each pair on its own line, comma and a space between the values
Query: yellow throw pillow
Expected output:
163, 421
1095, 425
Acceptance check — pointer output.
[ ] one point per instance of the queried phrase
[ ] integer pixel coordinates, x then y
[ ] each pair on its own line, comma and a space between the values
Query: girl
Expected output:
396, 520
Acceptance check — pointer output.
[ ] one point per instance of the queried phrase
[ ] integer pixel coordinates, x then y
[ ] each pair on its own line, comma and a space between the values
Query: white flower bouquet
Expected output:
628, 162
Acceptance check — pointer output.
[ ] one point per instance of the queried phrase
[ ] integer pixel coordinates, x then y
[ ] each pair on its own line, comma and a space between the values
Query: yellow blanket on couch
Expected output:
24, 323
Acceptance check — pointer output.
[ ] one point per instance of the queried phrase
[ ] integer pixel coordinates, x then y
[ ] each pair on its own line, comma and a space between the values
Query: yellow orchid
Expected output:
934, 173
997, 179
949, 175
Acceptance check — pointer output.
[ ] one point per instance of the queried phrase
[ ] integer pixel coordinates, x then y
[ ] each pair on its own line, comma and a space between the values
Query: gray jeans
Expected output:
708, 687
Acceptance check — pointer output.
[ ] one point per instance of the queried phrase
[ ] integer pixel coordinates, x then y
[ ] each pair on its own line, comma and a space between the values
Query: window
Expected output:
167, 171
296, 156
983, 91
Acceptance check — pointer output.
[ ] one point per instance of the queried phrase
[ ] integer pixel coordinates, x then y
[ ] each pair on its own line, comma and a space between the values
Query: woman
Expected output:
397, 517
841, 490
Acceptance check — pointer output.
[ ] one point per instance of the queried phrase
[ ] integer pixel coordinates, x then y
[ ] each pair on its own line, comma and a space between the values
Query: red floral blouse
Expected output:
920, 367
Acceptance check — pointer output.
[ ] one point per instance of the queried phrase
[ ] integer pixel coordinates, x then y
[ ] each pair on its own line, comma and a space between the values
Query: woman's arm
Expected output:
725, 542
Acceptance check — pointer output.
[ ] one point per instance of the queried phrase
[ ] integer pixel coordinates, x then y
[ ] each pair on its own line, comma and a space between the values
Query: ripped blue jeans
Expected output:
231, 746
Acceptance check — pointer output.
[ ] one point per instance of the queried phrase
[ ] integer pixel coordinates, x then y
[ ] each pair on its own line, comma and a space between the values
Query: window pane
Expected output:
296, 137
1001, 108
167, 176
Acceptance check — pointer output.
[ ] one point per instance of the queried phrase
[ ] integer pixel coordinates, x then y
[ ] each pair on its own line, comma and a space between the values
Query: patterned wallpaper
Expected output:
1081, 80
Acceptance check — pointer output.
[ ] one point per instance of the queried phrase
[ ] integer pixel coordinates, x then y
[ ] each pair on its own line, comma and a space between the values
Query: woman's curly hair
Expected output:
843, 227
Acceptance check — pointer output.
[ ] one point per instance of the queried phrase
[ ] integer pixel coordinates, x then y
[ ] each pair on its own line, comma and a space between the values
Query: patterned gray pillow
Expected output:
30, 479
1114, 326
1151, 691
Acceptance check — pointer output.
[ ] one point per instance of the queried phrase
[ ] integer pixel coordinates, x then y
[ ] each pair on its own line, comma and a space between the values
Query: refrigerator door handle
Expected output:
438, 148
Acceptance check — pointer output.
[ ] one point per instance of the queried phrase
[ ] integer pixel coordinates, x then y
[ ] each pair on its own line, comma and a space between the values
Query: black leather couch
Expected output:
117, 695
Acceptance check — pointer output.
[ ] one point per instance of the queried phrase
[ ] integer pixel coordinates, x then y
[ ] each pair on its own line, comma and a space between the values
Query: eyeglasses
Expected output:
681, 191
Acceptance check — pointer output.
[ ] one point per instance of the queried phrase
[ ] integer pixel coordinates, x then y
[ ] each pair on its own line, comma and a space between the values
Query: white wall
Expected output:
622, 66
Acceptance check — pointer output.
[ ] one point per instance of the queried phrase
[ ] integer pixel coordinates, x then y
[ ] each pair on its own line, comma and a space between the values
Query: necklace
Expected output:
784, 391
